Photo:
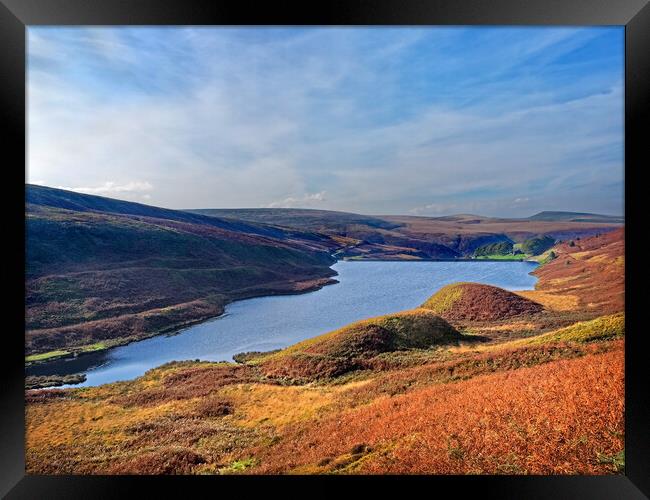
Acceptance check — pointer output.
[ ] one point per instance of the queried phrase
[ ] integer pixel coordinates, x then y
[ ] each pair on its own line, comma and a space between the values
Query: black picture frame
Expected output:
17, 15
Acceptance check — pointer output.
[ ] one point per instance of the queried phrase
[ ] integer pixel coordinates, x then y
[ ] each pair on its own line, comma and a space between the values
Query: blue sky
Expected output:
423, 121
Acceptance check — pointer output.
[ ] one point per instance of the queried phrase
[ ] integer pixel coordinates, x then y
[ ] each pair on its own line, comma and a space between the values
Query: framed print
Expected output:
367, 244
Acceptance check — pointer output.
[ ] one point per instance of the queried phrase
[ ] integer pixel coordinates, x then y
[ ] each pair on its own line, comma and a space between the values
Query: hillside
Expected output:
576, 217
360, 236
70, 200
356, 346
536, 392
588, 272
101, 271
466, 233
301, 218
477, 302
413, 238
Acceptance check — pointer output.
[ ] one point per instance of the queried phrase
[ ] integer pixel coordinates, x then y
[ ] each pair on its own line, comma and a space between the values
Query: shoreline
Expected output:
77, 352
314, 285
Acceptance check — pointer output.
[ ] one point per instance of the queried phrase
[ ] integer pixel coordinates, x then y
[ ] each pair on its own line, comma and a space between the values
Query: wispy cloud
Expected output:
383, 120
435, 209
307, 200
110, 188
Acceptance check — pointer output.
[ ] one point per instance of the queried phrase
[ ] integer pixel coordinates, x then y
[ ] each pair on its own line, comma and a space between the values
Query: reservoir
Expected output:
365, 289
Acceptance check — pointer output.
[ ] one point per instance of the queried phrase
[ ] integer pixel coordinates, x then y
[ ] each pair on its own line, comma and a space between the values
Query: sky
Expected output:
499, 121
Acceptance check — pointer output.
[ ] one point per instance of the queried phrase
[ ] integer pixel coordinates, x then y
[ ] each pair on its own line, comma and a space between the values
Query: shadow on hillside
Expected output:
474, 339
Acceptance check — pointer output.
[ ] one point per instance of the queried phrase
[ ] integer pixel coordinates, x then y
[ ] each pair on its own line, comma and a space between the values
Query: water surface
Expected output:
366, 289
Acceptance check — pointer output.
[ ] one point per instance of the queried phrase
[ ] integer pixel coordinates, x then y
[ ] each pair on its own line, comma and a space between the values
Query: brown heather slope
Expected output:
435, 237
477, 302
533, 420
547, 409
587, 275
550, 401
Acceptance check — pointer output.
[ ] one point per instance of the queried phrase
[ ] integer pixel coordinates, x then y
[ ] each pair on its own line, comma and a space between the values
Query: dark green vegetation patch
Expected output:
537, 245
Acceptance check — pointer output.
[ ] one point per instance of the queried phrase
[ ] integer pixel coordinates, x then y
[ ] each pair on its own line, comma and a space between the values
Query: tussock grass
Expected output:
602, 328
349, 348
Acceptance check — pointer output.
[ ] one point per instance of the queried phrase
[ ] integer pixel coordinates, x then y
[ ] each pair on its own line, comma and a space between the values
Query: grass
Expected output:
543, 258
413, 328
537, 245
97, 346
58, 353
498, 248
238, 466
603, 328
351, 347
445, 298
46, 356
617, 460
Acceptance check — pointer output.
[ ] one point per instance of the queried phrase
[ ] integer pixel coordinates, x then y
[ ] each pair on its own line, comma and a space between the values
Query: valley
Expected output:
476, 380
102, 272
365, 289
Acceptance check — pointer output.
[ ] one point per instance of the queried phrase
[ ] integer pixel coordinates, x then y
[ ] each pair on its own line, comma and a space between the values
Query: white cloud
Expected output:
110, 188
305, 201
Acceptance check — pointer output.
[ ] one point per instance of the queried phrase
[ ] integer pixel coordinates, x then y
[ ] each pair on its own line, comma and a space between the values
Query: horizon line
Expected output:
455, 214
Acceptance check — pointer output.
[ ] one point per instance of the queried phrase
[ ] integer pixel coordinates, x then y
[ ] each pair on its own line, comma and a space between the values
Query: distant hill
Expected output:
360, 236
316, 220
101, 271
392, 237
466, 218
576, 217
70, 200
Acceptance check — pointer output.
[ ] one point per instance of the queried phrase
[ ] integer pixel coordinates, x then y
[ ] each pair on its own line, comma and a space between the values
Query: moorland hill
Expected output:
102, 271
409, 237
478, 302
